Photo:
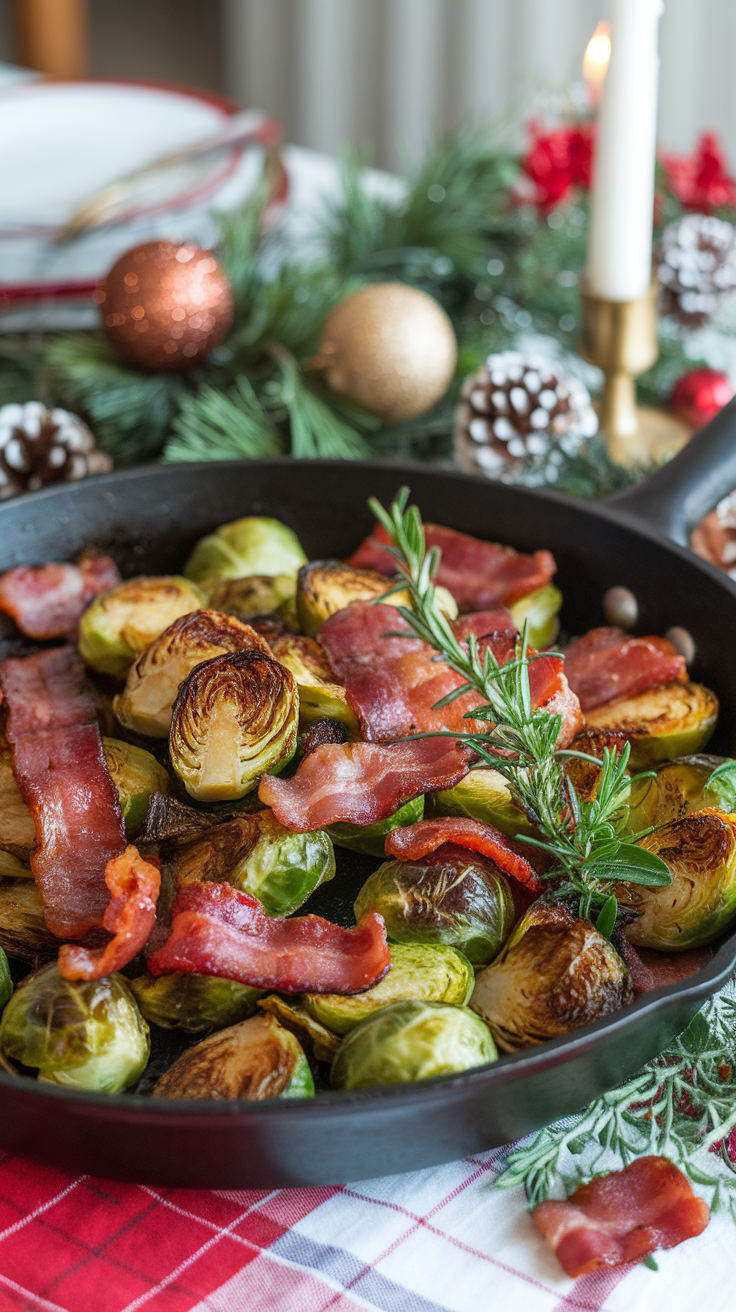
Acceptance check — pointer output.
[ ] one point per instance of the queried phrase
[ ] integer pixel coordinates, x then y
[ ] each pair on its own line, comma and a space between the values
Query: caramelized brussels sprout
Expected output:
23, 931
283, 868
196, 1004
675, 719
244, 548
326, 586
318, 1042
86, 1035
371, 839
482, 795
675, 789
6, 983
320, 697
411, 1041
540, 609
235, 717
700, 903
17, 830
555, 974
257, 1059
419, 972
246, 598
153, 680
137, 775
451, 896
11, 867
121, 623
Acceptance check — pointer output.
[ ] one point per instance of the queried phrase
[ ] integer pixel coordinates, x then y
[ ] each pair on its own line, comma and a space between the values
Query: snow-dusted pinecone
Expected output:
515, 411
696, 265
39, 447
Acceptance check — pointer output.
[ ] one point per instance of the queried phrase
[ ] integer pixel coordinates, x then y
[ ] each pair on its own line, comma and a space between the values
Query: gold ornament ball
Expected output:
166, 306
390, 349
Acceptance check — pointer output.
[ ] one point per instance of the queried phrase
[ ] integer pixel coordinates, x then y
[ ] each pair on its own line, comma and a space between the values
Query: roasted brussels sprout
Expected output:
320, 697
17, 830
371, 839
121, 623
675, 719
411, 1041
326, 586
6, 983
283, 868
86, 1035
153, 680
246, 598
11, 867
256, 1059
482, 795
244, 548
319, 1043
700, 853
23, 931
555, 974
452, 897
540, 609
235, 717
676, 789
137, 775
419, 972
196, 1004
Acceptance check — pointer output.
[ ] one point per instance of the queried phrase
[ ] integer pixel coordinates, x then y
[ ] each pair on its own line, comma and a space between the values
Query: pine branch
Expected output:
316, 431
216, 425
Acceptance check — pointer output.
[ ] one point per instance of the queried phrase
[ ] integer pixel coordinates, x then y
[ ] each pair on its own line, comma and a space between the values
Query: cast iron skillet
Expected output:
149, 519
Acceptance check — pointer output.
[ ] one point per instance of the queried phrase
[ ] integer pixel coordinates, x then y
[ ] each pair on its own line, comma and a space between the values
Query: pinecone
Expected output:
696, 265
516, 411
39, 447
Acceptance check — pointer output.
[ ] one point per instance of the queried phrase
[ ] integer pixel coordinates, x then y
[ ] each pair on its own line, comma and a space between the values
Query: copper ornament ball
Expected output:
390, 349
166, 306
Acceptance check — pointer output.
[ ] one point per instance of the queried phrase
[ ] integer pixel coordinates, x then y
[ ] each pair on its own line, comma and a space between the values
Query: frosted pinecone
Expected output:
39, 447
696, 265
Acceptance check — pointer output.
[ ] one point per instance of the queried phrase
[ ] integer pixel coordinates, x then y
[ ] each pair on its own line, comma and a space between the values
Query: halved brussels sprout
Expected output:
318, 1042
246, 598
6, 983
327, 586
17, 830
411, 1041
137, 775
555, 974
675, 719
421, 972
452, 897
700, 853
196, 1004
153, 680
11, 867
283, 868
540, 609
23, 931
235, 717
676, 789
85, 1035
482, 795
121, 623
244, 548
371, 839
320, 697
256, 1059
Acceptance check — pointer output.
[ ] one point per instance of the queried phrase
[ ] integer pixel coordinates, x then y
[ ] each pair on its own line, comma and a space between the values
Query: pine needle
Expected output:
316, 431
216, 425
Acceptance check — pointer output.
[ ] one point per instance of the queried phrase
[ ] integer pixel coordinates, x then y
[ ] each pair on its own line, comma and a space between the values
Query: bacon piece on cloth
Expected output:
606, 664
219, 931
393, 683
48, 601
622, 1216
415, 841
134, 887
478, 574
361, 782
60, 769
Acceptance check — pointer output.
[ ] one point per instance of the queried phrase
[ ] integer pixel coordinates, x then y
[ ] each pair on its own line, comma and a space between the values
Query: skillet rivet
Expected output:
621, 607
682, 642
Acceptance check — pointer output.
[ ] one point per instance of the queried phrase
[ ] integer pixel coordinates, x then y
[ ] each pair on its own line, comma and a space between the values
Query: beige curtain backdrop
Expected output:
384, 71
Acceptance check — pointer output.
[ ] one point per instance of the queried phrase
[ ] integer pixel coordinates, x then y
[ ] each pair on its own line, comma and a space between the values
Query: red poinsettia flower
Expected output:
701, 181
558, 161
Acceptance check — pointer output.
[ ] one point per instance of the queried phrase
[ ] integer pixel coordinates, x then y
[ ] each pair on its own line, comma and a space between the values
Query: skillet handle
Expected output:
675, 498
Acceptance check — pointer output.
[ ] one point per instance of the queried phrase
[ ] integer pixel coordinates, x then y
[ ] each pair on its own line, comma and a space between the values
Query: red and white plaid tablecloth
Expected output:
433, 1241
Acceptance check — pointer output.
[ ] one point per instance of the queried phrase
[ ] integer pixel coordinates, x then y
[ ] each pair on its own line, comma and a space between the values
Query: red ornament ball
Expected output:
166, 306
699, 395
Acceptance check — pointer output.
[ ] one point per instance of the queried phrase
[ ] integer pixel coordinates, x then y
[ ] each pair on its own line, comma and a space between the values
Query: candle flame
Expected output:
595, 60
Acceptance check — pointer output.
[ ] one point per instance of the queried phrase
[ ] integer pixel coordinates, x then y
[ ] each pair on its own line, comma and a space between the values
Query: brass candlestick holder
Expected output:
621, 338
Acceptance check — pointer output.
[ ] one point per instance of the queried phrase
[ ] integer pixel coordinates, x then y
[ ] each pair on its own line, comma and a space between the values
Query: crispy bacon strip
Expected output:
606, 664
361, 782
134, 886
415, 841
622, 1216
60, 768
48, 601
220, 931
478, 574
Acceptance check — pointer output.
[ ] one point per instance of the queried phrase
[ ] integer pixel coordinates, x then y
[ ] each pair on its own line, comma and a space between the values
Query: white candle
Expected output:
622, 200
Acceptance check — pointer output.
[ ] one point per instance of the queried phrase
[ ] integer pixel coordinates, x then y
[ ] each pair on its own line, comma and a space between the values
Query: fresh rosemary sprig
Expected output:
583, 837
